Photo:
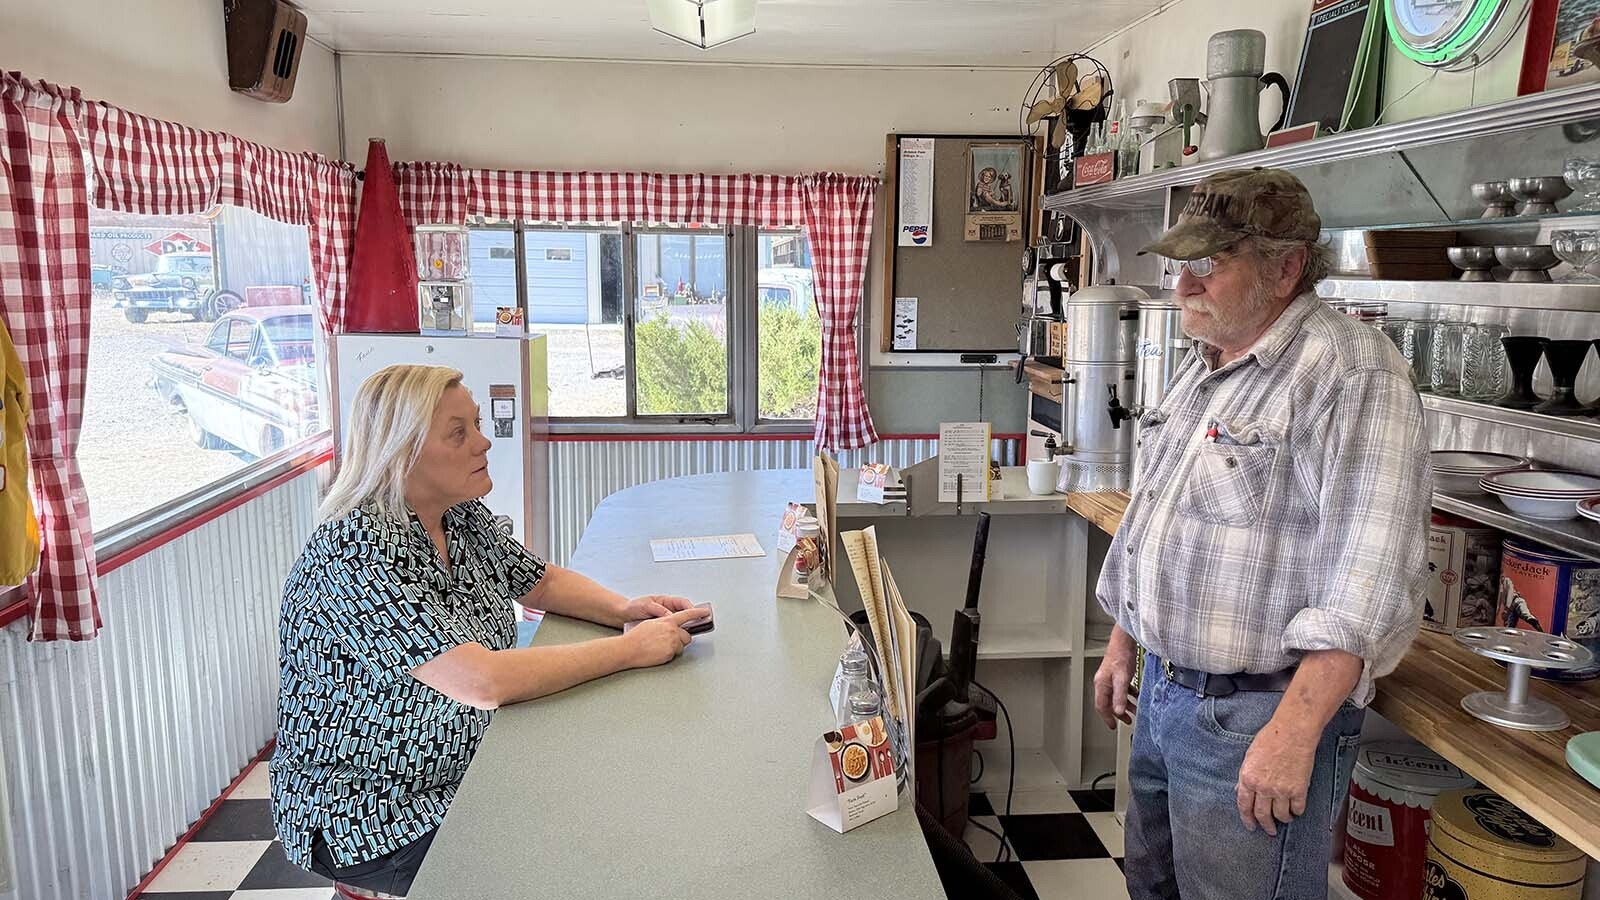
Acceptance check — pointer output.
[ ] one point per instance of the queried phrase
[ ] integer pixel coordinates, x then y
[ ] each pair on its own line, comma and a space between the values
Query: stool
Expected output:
351, 892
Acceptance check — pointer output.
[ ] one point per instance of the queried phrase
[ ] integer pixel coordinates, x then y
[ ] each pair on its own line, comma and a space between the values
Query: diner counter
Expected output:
1423, 697
685, 781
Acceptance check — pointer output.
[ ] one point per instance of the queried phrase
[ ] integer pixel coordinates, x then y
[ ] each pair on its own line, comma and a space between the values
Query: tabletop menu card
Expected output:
716, 546
964, 451
852, 776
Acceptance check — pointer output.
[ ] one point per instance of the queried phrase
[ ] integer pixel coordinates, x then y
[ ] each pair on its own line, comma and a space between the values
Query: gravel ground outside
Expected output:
133, 451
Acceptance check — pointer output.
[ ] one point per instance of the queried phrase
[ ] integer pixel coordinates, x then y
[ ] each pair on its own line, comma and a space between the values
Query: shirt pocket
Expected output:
1231, 477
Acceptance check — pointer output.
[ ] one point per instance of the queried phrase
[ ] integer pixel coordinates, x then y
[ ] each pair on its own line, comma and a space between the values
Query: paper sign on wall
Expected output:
852, 776
916, 192
905, 323
964, 451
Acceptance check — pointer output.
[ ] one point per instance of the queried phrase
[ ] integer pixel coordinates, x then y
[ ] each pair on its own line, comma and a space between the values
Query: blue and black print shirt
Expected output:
367, 755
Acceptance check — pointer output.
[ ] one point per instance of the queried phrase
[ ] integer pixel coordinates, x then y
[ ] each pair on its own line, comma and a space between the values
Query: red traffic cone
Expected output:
383, 268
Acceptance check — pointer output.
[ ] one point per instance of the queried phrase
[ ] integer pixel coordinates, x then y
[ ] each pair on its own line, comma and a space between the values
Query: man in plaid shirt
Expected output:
1271, 561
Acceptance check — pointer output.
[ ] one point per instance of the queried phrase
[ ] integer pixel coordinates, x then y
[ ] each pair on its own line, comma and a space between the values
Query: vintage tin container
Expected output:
1553, 592
1481, 847
1386, 820
1463, 574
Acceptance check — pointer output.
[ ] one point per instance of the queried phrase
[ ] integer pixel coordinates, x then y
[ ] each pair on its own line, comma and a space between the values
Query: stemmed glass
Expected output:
1580, 249
1583, 176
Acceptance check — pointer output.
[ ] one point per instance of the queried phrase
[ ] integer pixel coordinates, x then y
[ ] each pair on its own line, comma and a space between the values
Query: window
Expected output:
660, 326
788, 329
203, 354
681, 318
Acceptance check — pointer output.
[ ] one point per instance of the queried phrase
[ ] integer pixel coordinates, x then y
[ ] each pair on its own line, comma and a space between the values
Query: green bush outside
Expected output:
683, 368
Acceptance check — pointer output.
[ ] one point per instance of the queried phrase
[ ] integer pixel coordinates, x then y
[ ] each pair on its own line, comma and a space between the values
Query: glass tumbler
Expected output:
1483, 362
1444, 363
1394, 328
1416, 345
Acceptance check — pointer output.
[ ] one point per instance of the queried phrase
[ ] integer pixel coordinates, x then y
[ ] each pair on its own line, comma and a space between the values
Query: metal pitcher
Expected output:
1236, 73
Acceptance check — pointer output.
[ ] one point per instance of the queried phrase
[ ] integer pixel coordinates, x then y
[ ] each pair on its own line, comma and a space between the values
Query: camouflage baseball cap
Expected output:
1230, 206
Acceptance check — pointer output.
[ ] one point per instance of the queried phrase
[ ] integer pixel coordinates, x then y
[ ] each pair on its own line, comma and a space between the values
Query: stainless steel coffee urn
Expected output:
1160, 349
1236, 63
1098, 388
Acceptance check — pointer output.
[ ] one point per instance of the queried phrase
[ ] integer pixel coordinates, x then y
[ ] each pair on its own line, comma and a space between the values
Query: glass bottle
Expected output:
853, 676
866, 702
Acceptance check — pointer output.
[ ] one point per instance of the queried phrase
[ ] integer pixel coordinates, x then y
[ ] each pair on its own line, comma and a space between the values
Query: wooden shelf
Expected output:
1423, 697
1043, 379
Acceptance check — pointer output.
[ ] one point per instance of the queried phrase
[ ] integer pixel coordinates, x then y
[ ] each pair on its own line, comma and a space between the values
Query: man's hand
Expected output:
1275, 776
1112, 679
654, 606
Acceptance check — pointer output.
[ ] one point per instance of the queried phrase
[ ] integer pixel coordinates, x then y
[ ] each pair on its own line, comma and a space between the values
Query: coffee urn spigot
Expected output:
1114, 407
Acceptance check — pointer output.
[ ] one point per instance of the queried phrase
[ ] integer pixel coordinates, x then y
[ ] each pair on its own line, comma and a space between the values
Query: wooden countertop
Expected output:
1423, 697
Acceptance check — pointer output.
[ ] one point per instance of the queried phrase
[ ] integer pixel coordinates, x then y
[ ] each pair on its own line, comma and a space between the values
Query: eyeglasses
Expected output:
1199, 268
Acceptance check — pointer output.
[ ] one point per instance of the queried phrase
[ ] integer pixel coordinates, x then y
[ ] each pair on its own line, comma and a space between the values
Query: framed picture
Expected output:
996, 179
994, 192
1575, 56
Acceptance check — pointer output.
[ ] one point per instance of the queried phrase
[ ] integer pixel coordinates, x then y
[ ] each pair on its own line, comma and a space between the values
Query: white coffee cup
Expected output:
1042, 476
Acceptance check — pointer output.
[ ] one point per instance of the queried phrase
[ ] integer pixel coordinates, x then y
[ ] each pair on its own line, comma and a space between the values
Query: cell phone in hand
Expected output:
699, 626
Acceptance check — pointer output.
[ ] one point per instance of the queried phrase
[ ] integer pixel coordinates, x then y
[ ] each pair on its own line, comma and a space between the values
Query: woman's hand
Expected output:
660, 640
654, 606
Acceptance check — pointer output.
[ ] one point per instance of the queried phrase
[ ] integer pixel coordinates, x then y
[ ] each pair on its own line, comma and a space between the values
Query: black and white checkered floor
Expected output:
1064, 845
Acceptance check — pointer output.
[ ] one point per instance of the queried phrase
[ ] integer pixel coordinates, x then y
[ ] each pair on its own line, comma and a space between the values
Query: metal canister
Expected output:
1554, 592
1392, 792
1160, 349
1481, 847
1098, 388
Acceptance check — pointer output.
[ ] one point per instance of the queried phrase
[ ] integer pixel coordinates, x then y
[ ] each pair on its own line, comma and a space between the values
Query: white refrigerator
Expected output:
509, 379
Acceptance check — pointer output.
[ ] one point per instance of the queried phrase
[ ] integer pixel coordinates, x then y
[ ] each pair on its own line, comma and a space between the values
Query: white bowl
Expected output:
1459, 482
1534, 508
1590, 508
1463, 461
1576, 485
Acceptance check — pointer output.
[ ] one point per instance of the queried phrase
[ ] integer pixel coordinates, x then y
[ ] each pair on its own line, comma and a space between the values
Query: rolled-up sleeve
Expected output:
1370, 550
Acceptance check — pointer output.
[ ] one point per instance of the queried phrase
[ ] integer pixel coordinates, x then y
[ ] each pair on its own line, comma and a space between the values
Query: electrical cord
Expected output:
1095, 784
978, 754
1011, 776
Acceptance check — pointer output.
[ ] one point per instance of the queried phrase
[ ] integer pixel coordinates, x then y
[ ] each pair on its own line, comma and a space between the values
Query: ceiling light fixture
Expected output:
703, 23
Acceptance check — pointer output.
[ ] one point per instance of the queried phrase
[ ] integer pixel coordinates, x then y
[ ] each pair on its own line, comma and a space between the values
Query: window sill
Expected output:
127, 541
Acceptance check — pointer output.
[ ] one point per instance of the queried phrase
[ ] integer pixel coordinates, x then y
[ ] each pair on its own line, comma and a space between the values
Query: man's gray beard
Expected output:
1245, 317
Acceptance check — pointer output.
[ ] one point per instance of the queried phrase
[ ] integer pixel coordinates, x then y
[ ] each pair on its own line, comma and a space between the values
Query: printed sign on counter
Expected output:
716, 546
852, 776
874, 478
964, 451
788, 529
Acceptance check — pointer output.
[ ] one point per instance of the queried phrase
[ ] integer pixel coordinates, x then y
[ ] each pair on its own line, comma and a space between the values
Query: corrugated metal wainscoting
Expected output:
113, 747
584, 472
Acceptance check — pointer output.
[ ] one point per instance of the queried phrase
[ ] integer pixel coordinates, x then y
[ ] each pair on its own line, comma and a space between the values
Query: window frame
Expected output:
752, 386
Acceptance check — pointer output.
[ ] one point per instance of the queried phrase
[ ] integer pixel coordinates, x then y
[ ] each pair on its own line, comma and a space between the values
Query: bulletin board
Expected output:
968, 293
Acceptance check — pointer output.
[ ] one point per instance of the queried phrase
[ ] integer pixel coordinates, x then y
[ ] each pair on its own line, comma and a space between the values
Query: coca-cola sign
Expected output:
1097, 169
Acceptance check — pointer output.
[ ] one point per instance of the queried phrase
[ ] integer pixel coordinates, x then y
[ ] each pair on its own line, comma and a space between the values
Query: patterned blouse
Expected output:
366, 754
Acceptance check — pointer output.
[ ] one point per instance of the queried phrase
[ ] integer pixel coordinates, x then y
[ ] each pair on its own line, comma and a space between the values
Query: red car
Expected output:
252, 385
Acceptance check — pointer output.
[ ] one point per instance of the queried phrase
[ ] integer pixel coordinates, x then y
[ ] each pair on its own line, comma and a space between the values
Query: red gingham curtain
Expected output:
838, 217
836, 211
44, 296
147, 166
59, 150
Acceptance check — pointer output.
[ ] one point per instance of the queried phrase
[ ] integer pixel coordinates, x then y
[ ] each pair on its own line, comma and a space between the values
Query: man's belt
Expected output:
1208, 685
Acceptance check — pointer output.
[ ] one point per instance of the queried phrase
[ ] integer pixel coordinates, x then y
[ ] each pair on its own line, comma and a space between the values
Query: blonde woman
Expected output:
397, 636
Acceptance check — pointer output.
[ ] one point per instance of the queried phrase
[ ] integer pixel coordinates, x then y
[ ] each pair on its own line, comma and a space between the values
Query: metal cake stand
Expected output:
1522, 651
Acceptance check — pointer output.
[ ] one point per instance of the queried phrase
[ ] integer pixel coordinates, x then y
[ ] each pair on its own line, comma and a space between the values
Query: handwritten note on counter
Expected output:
716, 546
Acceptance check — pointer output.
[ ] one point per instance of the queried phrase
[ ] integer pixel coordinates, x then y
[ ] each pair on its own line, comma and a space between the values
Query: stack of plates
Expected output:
1458, 471
1590, 508
1540, 494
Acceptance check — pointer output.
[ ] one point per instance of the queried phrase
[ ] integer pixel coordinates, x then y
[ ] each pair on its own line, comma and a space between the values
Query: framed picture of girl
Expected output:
994, 195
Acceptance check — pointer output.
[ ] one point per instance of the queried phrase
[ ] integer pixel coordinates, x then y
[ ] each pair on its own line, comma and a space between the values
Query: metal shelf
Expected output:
1476, 222
1579, 536
1550, 297
1550, 108
1565, 426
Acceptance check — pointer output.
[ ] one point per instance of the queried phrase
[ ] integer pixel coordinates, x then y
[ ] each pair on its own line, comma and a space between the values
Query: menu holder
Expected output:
853, 777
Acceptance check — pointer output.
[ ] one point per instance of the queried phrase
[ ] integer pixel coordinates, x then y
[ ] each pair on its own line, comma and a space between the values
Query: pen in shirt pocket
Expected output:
1211, 433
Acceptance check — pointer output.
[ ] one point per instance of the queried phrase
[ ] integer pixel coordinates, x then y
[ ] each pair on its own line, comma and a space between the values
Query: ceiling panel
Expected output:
826, 32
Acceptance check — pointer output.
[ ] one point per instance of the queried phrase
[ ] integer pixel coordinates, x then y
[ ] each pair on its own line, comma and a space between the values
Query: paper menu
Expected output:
894, 632
716, 546
852, 776
825, 482
964, 451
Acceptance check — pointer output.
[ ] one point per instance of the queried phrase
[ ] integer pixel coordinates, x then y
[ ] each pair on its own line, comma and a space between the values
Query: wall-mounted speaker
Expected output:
265, 38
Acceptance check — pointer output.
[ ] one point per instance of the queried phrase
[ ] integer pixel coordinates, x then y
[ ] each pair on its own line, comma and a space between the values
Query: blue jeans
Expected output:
1183, 832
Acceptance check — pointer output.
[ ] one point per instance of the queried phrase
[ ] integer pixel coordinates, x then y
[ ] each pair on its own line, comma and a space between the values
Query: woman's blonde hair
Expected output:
389, 421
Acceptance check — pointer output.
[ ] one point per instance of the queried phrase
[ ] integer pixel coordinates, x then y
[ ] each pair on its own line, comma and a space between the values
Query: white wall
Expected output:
168, 59
538, 114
